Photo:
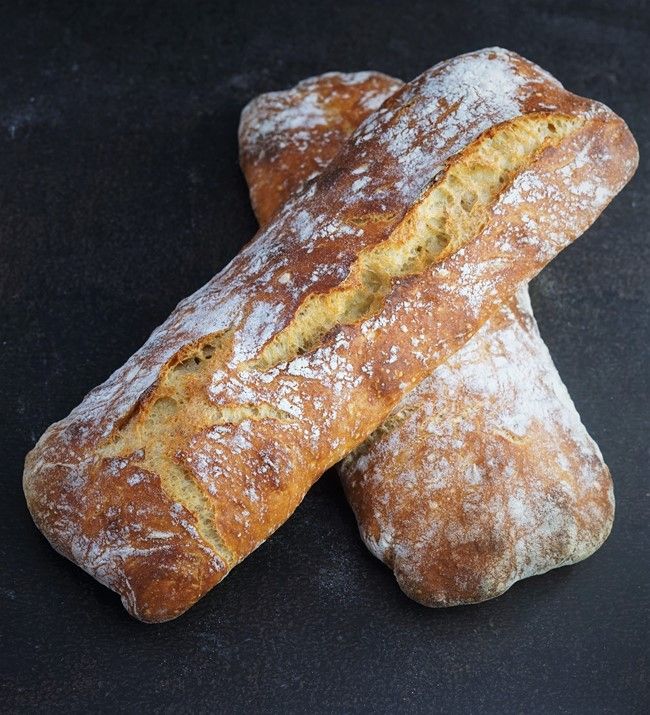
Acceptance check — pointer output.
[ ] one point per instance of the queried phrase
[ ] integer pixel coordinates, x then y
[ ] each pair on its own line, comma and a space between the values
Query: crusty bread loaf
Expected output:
483, 474
462, 186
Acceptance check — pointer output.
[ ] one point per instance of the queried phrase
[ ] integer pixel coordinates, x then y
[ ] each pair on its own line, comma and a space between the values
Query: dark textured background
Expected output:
120, 194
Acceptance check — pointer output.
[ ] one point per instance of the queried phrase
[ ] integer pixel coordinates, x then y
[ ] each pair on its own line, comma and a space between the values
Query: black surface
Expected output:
120, 194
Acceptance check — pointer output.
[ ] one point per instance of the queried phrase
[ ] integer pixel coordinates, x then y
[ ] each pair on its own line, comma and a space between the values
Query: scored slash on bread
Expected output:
462, 186
484, 474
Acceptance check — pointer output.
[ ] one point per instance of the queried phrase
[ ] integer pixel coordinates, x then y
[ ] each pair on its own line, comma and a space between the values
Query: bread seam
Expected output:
435, 236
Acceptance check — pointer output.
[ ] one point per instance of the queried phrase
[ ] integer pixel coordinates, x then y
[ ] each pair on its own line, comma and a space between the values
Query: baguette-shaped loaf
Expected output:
484, 474
463, 185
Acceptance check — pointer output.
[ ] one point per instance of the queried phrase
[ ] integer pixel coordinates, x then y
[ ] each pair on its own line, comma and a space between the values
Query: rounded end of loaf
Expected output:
112, 519
491, 562
489, 476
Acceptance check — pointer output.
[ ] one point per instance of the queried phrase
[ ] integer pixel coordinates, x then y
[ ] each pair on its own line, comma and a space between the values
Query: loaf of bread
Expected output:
484, 474
463, 185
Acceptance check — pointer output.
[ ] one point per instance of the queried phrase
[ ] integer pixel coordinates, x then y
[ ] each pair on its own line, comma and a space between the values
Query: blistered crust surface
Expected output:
341, 390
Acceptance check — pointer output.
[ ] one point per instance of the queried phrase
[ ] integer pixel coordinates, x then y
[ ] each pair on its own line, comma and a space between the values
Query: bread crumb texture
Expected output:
443, 221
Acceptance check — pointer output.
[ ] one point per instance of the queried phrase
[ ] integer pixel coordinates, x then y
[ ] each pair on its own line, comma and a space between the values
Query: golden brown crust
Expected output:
484, 474
178, 423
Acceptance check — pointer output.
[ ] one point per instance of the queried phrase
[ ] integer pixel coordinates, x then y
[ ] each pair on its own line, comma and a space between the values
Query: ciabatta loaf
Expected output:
484, 474
463, 185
